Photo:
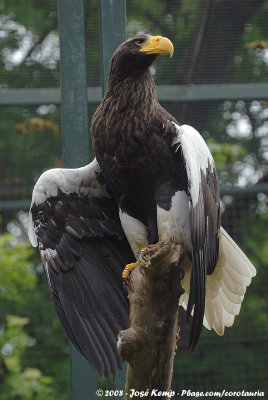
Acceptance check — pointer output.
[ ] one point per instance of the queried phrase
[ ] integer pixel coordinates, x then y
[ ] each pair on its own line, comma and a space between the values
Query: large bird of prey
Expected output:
151, 180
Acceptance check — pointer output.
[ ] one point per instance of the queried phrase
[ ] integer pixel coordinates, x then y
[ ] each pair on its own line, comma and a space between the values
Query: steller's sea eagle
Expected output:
152, 179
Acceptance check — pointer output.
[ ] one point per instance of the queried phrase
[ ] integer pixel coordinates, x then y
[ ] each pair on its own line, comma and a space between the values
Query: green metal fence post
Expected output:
73, 83
112, 16
112, 32
75, 141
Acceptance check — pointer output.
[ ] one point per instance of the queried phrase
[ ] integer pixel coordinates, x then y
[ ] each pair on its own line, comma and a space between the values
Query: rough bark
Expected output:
149, 344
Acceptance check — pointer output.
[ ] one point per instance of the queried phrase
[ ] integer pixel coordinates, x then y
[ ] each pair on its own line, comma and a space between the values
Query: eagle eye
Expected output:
139, 41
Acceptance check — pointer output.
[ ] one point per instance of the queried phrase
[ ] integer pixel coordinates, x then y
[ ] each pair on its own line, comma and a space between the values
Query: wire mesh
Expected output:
238, 359
230, 51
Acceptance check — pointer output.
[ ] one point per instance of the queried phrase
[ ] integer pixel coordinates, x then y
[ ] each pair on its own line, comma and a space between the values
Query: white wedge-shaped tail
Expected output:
226, 287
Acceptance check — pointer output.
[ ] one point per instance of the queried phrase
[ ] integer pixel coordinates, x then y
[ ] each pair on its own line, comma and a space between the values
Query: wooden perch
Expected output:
149, 344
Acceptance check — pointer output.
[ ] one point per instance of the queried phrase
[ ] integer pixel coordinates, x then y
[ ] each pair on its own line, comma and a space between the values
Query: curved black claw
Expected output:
142, 255
125, 282
141, 268
142, 261
172, 239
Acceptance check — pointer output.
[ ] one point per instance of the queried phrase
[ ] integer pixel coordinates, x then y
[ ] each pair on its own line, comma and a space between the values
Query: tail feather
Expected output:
237, 277
235, 252
229, 306
234, 298
233, 286
226, 287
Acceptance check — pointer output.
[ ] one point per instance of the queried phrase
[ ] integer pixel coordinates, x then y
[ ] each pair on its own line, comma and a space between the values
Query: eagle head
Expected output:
135, 55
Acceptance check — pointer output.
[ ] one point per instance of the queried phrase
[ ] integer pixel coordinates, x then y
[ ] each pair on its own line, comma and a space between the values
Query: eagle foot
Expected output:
127, 271
143, 258
141, 261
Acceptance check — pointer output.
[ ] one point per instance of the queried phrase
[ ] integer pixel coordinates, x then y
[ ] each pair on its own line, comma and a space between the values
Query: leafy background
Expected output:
34, 351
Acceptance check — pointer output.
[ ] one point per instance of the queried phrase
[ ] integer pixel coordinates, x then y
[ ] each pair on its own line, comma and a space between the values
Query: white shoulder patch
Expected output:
82, 181
196, 154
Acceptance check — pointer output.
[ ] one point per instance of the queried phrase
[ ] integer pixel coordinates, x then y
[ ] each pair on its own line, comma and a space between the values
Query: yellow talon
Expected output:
129, 268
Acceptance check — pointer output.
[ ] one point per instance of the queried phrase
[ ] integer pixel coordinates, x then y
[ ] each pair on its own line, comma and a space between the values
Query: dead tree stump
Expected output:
149, 344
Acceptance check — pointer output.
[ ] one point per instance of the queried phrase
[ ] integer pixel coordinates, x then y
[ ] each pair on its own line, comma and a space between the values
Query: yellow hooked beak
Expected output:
157, 45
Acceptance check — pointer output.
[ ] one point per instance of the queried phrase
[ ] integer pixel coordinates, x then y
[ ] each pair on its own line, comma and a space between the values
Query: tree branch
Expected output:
149, 344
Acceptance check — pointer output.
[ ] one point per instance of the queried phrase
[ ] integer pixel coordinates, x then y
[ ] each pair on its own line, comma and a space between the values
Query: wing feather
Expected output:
215, 288
204, 219
84, 251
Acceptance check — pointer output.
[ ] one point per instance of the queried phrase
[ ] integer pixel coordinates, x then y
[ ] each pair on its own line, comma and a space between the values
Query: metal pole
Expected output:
73, 83
112, 32
75, 141
112, 16
75, 121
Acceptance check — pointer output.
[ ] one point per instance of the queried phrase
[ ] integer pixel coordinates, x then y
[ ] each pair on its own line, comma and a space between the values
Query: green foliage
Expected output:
28, 323
15, 264
250, 62
36, 141
20, 383
225, 154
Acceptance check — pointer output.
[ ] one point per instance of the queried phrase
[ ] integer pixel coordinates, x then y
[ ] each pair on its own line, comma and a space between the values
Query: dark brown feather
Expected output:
84, 251
136, 145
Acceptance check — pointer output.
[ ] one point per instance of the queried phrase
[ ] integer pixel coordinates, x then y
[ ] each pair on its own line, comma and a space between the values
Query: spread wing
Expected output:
204, 215
84, 251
